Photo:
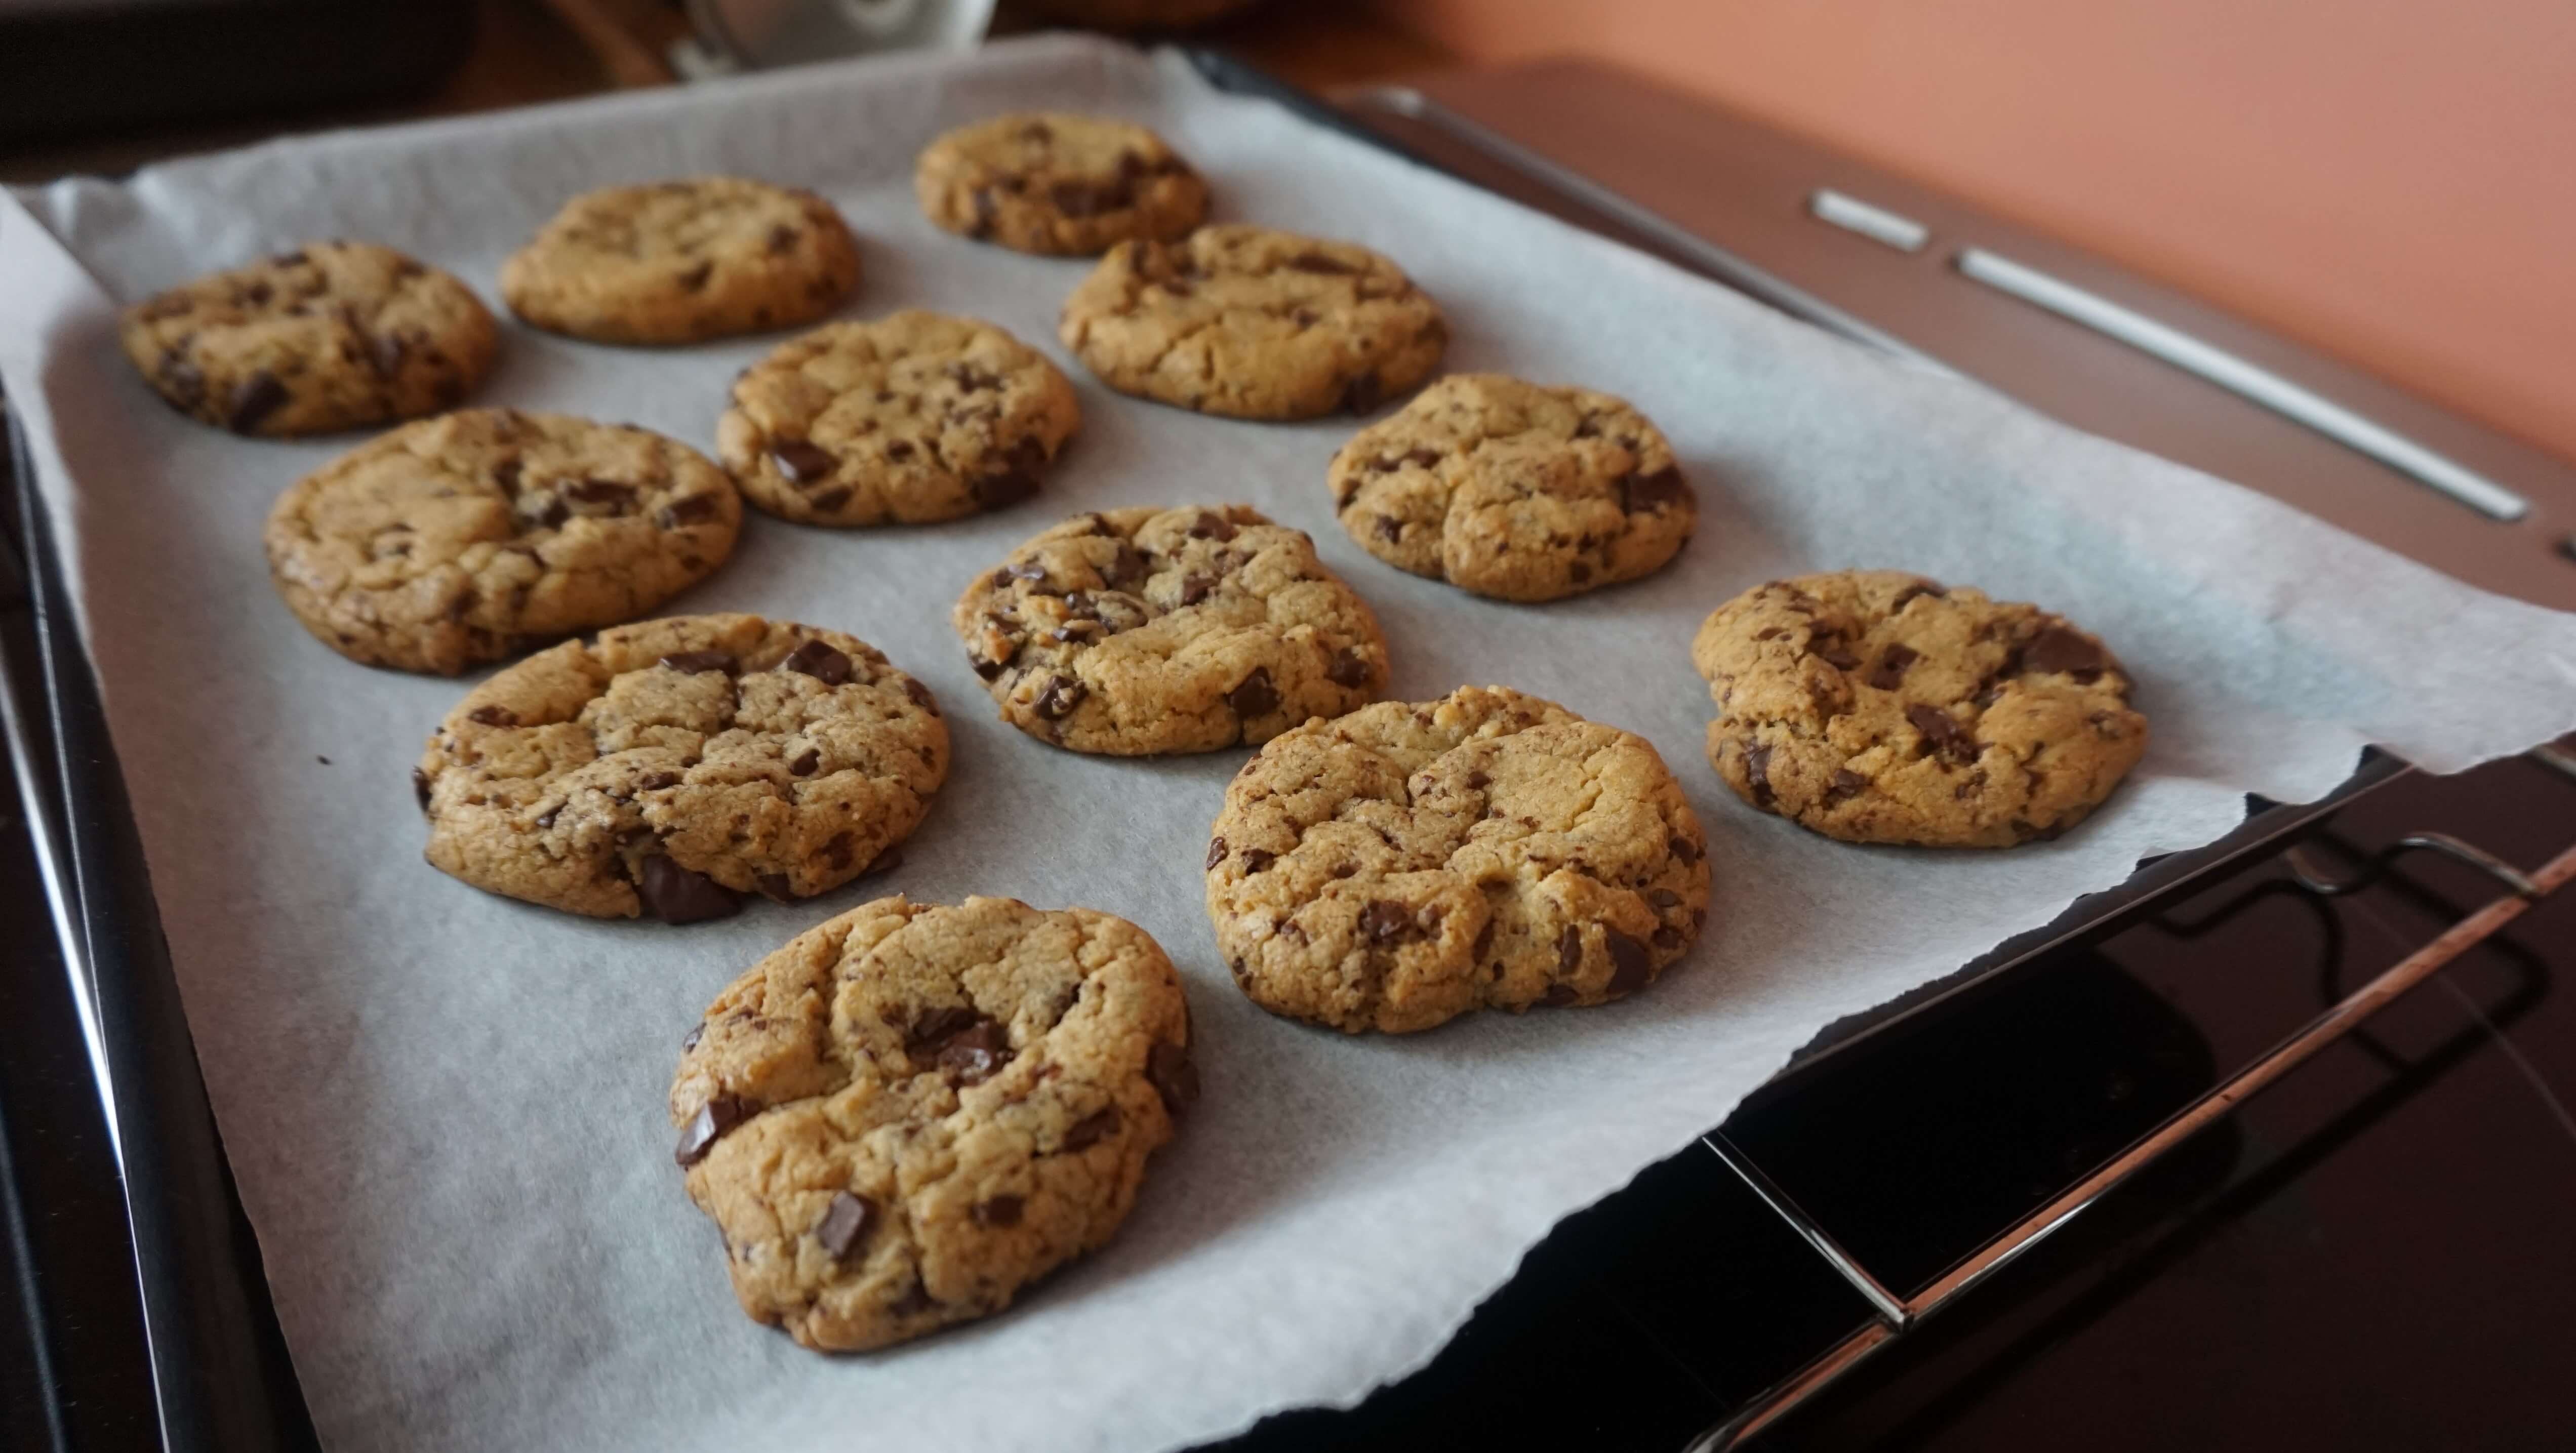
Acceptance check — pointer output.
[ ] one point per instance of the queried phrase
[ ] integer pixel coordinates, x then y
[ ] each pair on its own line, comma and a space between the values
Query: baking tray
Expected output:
218, 1372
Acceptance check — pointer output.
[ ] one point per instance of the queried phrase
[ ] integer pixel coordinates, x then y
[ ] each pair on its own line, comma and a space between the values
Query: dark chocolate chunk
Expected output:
1942, 732
781, 238
1015, 478
999, 1211
1559, 995
689, 1041
493, 716
687, 511
253, 399
1484, 941
803, 461
708, 1126
619, 498
937, 1026
1169, 1070
1569, 950
1125, 568
1629, 962
976, 1054
2060, 650
1832, 651
1382, 920
776, 888
805, 763
1389, 528
1890, 669
1195, 587
1659, 490
1211, 526
385, 351
1061, 696
1091, 1129
921, 696
420, 787
1363, 393
837, 852
845, 1224
1682, 848
1347, 668
1847, 784
1668, 939
1757, 772
819, 660
1256, 859
1663, 897
675, 894
656, 781
691, 663
1216, 846
1920, 587
1254, 696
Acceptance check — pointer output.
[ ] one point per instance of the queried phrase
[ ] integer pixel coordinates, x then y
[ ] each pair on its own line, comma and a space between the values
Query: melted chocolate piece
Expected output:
1255, 696
1890, 670
819, 660
1659, 490
803, 461
2058, 649
1347, 668
1757, 772
1061, 696
675, 894
691, 663
1216, 846
1942, 732
493, 716
1090, 1130
999, 1211
920, 696
1382, 920
845, 1224
253, 400
1569, 952
1629, 962
975, 1054
708, 1126
420, 788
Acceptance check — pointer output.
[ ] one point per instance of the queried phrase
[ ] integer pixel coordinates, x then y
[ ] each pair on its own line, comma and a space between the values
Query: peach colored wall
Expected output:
2393, 181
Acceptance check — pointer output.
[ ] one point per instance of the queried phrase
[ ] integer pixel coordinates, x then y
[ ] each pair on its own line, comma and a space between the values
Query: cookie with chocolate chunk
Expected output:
1514, 490
1058, 183
908, 419
330, 336
910, 1112
1408, 863
676, 764
1876, 706
1137, 632
477, 535
683, 261
1254, 324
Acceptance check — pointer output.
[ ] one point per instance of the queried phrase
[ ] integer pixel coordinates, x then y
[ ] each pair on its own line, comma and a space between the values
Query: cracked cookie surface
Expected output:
677, 763
333, 335
912, 1111
1254, 324
474, 536
683, 261
1409, 863
912, 418
1143, 631
1058, 183
1514, 490
1876, 706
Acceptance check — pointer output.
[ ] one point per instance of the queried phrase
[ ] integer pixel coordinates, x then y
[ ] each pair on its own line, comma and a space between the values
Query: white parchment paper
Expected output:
445, 1109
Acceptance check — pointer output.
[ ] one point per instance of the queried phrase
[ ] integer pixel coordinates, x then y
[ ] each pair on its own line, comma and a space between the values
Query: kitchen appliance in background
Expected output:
756, 34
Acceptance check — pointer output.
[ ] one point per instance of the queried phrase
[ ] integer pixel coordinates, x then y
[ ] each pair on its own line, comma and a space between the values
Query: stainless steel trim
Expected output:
1777, 1400
1728, 268
2247, 380
2476, 857
1850, 213
1890, 1307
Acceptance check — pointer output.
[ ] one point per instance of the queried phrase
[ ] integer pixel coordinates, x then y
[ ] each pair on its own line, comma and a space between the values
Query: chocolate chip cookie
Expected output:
1514, 490
477, 535
1137, 632
1880, 707
679, 262
1408, 863
911, 418
334, 335
677, 763
910, 1112
1254, 324
1058, 184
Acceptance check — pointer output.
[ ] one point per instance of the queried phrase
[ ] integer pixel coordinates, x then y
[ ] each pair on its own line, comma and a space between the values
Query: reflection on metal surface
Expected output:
1868, 219
1719, 263
2237, 376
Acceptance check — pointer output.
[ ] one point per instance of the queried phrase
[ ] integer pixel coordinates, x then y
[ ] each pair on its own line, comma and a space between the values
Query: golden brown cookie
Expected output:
477, 535
683, 261
1254, 324
910, 1112
1057, 183
910, 418
676, 763
1407, 863
1880, 707
334, 335
1514, 490
1137, 632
